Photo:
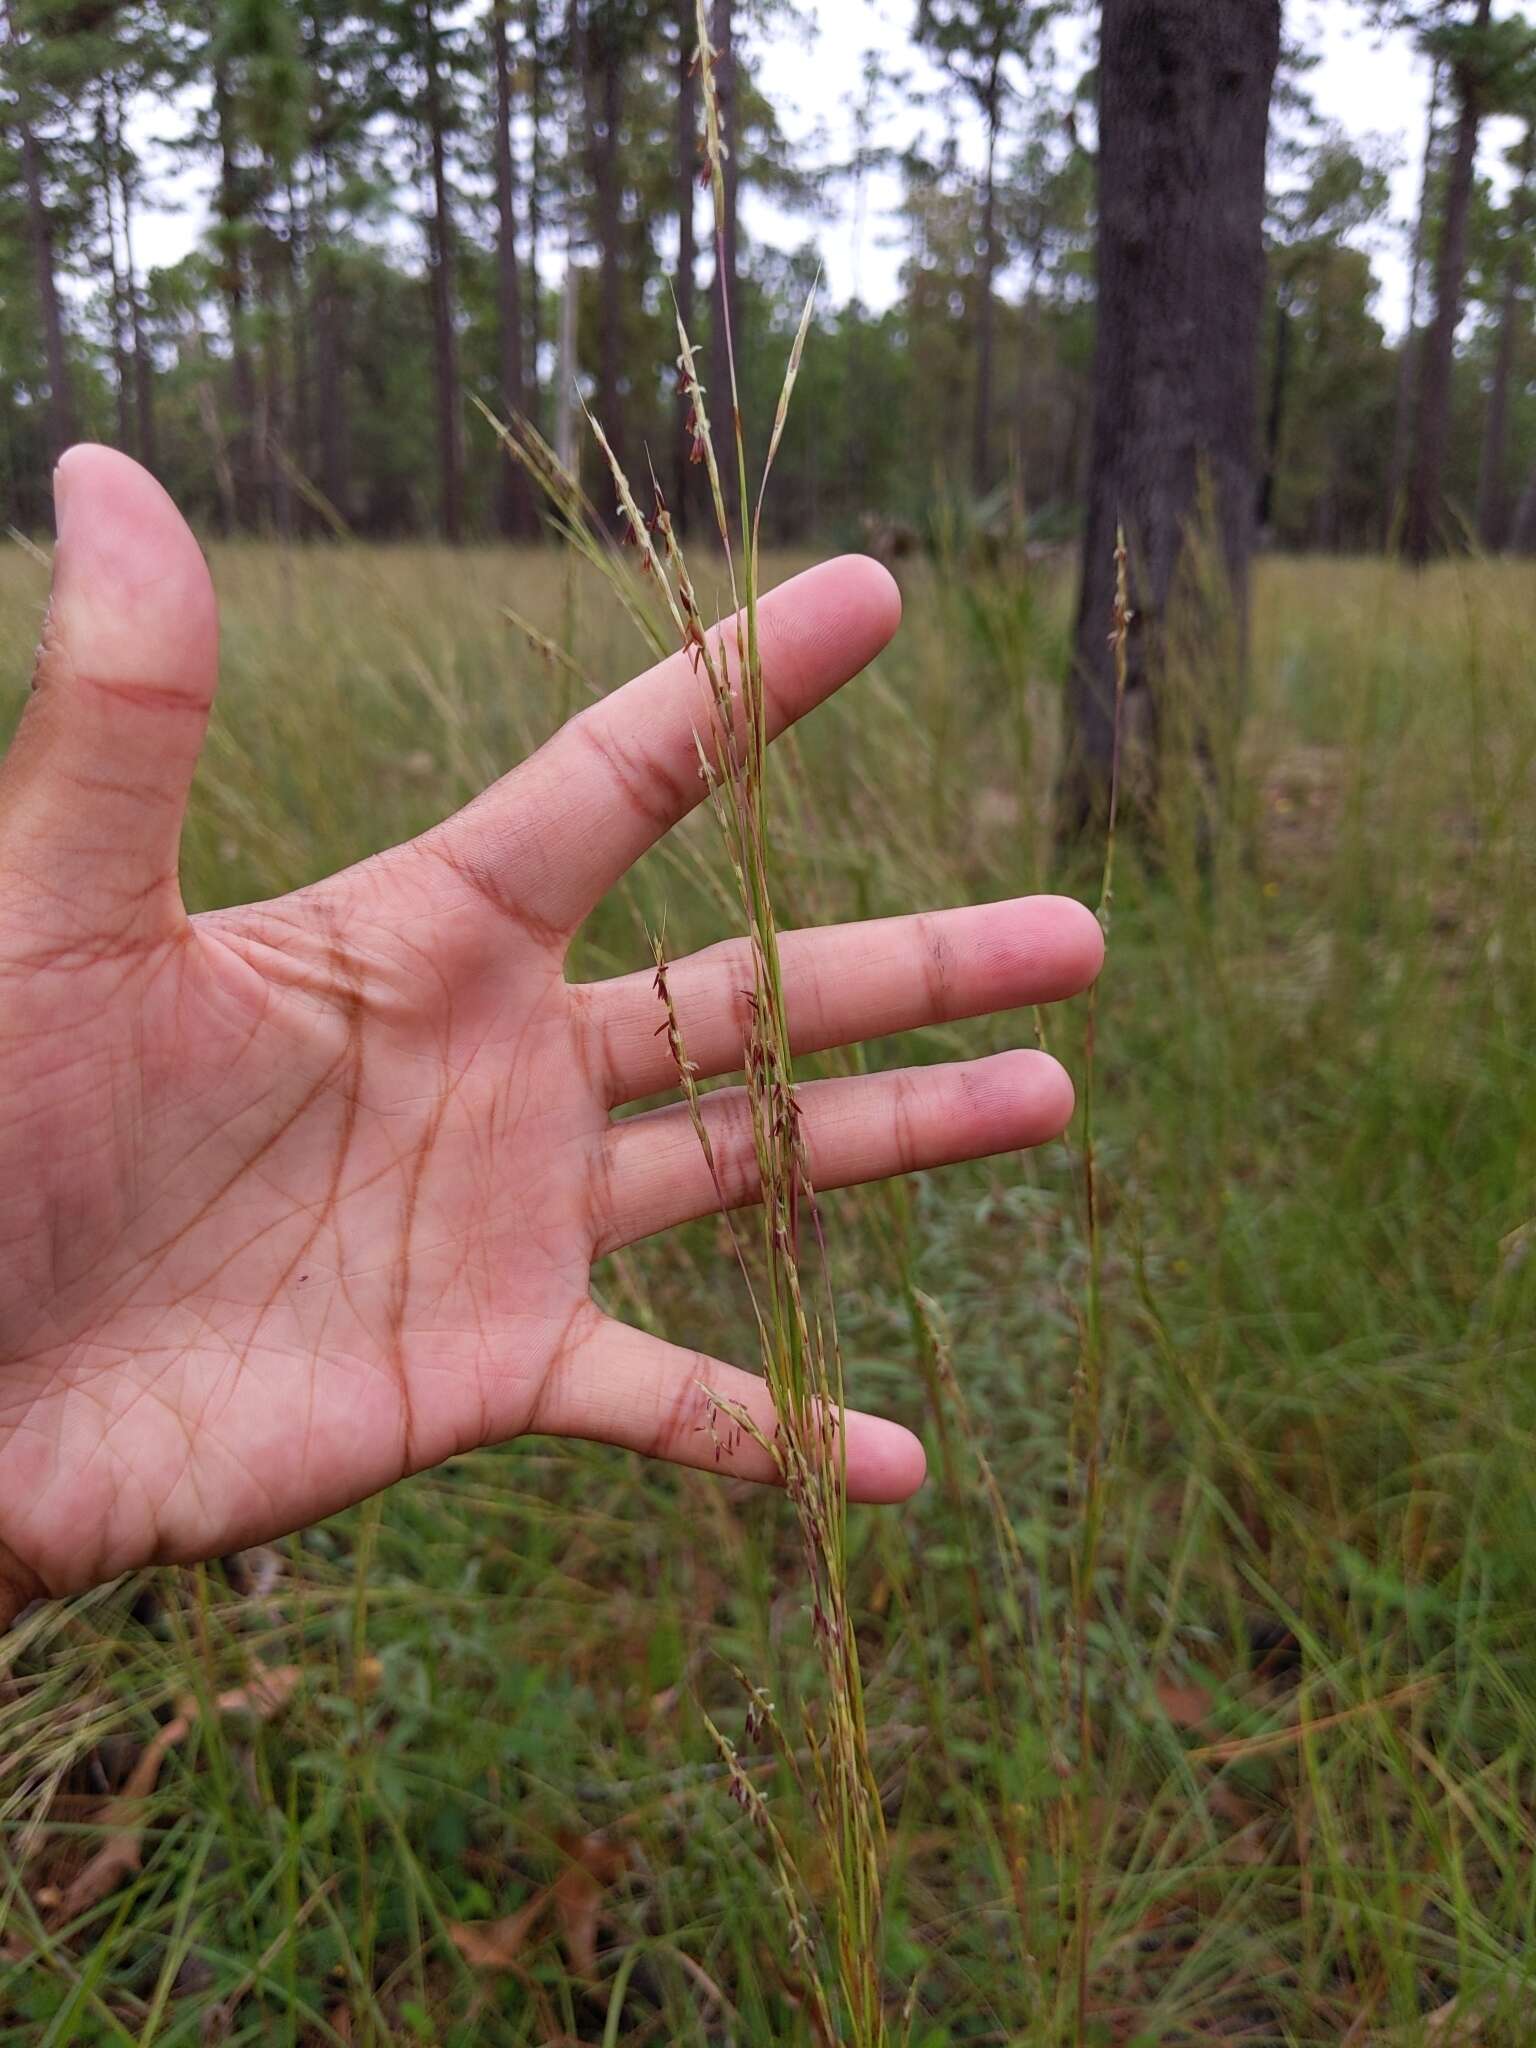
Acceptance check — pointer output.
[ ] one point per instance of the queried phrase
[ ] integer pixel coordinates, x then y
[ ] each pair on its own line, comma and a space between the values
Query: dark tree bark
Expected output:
532, 379
440, 250
726, 307
143, 367
1424, 515
1408, 355
301, 368
1032, 350
324, 430
1522, 533
245, 454
275, 388
1274, 419
687, 249
61, 404
1183, 124
603, 67
118, 310
194, 349
514, 504
330, 385
327, 324
1492, 495
986, 311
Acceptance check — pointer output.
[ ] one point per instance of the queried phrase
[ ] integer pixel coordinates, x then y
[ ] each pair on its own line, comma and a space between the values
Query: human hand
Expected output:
300, 1198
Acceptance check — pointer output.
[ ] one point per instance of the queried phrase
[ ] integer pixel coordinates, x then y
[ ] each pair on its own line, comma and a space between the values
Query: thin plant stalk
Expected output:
801, 1356
1088, 1396
796, 1322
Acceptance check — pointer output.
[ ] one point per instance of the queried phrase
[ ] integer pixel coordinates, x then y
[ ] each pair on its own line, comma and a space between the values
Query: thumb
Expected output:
93, 791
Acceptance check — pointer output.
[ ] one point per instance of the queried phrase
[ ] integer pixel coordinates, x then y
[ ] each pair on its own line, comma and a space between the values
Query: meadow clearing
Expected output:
474, 1799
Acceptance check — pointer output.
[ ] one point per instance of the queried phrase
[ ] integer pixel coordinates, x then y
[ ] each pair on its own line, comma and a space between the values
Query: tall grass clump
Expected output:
825, 1750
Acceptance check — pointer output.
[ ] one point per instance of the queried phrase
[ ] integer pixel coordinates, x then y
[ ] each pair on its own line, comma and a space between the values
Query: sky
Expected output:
1371, 85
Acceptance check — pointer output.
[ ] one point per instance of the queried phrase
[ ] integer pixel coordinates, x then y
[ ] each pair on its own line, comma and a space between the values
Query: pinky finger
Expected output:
616, 1385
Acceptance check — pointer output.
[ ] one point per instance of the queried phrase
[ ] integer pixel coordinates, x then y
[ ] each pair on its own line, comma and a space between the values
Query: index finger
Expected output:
551, 838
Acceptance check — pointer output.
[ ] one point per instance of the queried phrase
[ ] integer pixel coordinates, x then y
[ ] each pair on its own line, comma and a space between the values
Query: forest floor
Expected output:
438, 1771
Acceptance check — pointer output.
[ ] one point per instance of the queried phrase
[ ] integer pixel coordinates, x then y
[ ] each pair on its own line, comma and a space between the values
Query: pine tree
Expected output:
29, 103
1513, 314
974, 40
516, 513
1181, 187
1484, 62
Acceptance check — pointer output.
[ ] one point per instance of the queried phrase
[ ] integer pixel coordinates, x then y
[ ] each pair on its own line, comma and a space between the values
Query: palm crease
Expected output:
301, 1198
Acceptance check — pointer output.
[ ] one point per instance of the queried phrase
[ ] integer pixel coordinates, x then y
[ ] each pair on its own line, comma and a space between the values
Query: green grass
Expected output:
1304, 1814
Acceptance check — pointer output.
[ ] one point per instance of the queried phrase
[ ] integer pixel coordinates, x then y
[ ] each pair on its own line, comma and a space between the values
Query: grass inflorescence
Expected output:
825, 1750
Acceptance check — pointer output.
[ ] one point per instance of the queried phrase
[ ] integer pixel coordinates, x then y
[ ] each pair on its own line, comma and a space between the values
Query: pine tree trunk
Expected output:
1424, 518
1183, 124
981, 431
1492, 497
321, 426
330, 395
117, 310
143, 366
445, 342
275, 393
329, 353
605, 113
687, 250
1031, 350
565, 376
1408, 355
61, 404
1274, 420
514, 506
213, 429
726, 308
568, 335
532, 380
244, 460
300, 343
1522, 533
1491, 502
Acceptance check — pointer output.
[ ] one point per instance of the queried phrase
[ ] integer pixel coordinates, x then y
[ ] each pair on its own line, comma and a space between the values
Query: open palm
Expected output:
300, 1198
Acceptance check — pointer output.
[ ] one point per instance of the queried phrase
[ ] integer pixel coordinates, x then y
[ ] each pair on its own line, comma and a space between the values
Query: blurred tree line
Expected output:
405, 192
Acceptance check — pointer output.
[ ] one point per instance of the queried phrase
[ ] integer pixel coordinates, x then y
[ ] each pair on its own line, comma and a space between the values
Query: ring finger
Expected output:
653, 1172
